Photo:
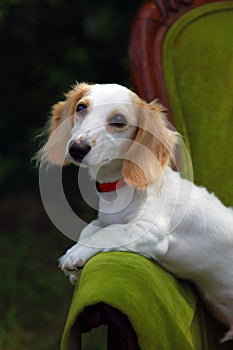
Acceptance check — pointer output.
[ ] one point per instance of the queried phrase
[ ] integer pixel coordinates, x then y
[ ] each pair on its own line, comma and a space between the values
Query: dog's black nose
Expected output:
79, 149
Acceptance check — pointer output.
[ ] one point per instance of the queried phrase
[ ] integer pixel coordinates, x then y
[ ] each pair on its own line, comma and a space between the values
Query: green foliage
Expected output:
34, 294
47, 45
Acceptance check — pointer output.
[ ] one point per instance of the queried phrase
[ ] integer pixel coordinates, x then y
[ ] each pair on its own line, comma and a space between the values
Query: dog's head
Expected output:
98, 123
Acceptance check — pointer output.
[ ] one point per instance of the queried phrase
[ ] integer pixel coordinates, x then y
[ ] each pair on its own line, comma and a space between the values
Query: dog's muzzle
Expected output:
79, 149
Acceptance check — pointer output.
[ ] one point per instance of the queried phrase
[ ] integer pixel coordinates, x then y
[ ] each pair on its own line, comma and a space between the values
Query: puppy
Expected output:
144, 206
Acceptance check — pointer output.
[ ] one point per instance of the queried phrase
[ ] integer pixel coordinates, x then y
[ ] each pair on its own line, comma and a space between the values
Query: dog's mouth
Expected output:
86, 162
84, 153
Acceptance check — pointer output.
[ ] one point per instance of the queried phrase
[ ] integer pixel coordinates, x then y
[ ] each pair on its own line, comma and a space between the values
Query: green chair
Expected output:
182, 52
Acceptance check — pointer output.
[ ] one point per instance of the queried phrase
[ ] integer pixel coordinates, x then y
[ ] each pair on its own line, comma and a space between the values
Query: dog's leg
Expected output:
132, 237
67, 263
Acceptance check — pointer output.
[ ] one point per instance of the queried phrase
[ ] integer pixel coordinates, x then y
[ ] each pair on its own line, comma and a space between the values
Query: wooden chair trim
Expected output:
150, 27
121, 335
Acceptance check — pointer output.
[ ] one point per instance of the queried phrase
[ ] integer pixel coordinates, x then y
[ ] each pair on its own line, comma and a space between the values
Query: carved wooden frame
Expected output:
149, 29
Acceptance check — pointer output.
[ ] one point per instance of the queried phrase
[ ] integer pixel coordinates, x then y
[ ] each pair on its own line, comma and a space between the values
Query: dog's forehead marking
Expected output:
102, 94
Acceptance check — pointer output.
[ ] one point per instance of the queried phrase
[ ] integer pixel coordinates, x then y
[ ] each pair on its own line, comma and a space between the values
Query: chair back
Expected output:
186, 59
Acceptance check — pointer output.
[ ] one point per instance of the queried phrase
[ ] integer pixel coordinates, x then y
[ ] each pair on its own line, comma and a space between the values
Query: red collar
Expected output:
111, 186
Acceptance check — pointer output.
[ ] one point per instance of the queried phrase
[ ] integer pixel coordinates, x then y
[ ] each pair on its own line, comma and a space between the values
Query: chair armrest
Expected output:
164, 312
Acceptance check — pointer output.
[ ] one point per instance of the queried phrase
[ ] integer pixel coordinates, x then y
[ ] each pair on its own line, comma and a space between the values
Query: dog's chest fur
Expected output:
121, 206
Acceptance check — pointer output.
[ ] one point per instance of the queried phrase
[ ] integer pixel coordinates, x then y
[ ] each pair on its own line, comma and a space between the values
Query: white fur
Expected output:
184, 228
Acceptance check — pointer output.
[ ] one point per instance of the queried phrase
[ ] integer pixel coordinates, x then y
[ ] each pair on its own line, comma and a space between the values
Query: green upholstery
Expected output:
142, 291
198, 70
166, 313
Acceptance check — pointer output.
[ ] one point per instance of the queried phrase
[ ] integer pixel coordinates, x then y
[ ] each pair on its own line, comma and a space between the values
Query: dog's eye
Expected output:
81, 109
117, 121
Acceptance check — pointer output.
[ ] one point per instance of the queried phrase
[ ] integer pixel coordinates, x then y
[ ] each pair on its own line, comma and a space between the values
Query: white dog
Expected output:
144, 206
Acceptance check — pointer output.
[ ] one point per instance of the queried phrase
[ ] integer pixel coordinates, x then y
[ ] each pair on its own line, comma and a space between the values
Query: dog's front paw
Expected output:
74, 260
70, 269
69, 263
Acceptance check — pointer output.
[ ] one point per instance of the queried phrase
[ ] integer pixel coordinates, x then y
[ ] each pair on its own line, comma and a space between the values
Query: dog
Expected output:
145, 206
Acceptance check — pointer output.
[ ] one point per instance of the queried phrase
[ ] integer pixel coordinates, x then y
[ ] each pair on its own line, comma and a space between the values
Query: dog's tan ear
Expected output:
58, 129
57, 132
152, 148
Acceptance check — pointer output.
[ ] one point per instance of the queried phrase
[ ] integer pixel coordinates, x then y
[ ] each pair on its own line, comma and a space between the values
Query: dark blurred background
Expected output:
45, 46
